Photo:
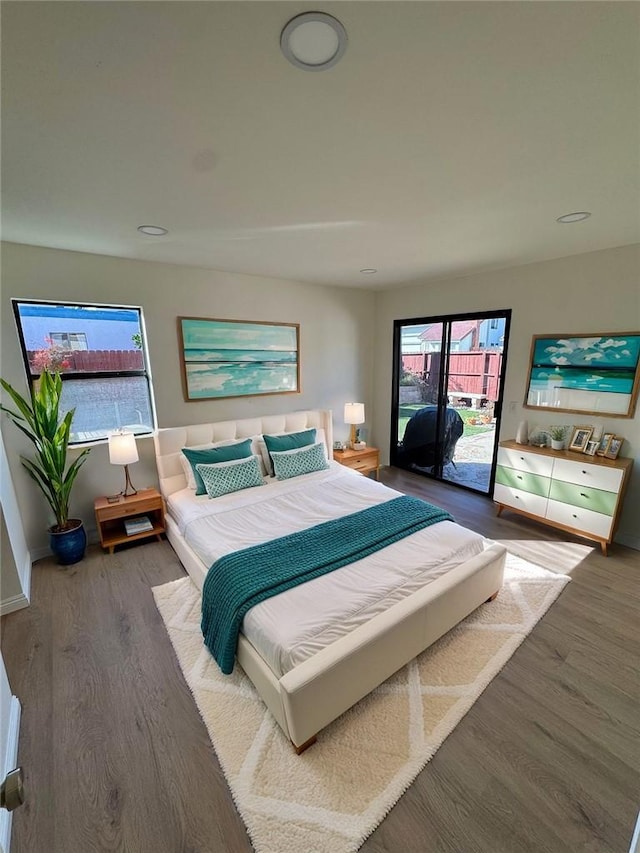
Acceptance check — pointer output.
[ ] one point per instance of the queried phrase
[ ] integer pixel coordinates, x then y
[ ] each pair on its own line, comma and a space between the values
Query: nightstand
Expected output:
110, 517
365, 461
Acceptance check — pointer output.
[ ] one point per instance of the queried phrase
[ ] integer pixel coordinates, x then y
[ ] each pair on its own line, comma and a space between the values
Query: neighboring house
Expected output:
466, 335
491, 332
69, 328
411, 343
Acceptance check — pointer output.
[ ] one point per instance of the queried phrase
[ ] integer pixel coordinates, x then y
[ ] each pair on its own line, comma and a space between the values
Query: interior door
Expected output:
447, 396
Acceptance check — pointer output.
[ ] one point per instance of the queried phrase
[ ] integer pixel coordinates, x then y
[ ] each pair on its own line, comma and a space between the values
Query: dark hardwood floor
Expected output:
116, 757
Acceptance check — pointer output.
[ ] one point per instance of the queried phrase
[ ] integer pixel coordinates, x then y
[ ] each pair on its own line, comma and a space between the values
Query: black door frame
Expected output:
446, 320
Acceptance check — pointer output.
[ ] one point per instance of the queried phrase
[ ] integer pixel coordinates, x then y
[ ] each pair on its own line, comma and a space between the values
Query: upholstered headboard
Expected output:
170, 440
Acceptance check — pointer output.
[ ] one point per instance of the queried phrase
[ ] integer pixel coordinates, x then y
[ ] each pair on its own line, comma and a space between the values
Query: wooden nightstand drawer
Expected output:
120, 510
110, 517
365, 461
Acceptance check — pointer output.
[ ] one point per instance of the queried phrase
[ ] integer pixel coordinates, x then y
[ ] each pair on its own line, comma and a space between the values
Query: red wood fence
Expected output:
476, 372
96, 361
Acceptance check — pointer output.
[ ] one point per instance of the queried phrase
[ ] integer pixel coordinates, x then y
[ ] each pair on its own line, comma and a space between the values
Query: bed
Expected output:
341, 635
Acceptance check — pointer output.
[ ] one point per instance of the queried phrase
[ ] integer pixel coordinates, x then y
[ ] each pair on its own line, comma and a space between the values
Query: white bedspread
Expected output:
290, 627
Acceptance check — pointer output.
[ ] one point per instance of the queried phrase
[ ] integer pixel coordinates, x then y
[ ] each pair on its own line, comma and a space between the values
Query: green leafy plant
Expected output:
558, 433
40, 421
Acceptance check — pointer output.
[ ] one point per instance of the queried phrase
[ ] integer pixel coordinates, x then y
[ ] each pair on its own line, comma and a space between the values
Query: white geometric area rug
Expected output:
330, 798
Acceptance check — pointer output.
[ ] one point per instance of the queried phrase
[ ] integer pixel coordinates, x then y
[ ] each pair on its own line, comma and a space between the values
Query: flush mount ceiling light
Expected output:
368, 271
579, 216
313, 41
152, 230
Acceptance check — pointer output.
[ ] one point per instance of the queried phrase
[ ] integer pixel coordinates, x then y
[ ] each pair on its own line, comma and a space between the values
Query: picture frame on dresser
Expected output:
590, 449
580, 438
613, 449
604, 443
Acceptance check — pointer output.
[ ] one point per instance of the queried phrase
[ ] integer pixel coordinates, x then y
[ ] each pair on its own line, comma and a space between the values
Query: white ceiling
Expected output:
447, 140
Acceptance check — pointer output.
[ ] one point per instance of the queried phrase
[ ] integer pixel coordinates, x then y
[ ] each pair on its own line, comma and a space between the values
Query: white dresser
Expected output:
578, 493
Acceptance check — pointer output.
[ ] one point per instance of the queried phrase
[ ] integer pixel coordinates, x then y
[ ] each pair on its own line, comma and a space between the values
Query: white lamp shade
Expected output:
354, 413
122, 448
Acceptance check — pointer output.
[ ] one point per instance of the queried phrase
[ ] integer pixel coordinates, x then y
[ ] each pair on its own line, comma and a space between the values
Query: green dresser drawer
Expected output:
582, 496
534, 483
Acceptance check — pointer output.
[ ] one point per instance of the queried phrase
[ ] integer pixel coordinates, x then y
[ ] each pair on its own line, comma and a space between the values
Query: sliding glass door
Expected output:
447, 396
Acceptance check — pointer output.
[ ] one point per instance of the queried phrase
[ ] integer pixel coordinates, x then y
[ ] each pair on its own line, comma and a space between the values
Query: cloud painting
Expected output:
596, 374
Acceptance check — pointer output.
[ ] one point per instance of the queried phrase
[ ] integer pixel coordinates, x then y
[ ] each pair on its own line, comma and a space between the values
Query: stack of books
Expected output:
140, 524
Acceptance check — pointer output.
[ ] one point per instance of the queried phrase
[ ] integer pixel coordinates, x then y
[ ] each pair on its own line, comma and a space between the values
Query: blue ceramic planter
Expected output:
69, 546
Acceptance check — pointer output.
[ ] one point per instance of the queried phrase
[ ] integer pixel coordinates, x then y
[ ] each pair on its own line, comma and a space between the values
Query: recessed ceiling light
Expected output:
152, 230
579, 216
313, 41
368, 271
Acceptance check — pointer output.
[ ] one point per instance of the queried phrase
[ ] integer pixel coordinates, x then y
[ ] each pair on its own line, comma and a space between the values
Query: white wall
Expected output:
335, 341
594, 292
15, 559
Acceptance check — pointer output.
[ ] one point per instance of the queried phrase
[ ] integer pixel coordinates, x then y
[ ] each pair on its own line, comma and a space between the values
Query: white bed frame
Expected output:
317, 691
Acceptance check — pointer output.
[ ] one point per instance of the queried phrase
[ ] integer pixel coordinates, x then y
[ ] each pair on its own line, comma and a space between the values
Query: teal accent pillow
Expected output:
225, 477
211, 455
290, 441
303, 460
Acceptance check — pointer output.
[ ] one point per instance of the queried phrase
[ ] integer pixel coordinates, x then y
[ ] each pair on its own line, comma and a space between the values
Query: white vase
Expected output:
522, 435
557, 444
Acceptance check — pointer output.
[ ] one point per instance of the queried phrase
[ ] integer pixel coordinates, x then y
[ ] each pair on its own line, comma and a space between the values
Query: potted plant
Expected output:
557, 435
40, 421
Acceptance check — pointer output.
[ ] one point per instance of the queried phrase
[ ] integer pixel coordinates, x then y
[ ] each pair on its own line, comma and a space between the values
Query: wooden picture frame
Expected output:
604, 443
596, 373
614, 447
580, 438
590, 449
238, 358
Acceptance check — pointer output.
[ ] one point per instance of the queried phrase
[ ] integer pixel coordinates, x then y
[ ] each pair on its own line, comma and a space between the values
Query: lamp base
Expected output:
352, 436
129, 488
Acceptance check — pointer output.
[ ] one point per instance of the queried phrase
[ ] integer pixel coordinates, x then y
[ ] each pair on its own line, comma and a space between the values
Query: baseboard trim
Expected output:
40, 553
11, 759
16, 602
25, 577
628, 540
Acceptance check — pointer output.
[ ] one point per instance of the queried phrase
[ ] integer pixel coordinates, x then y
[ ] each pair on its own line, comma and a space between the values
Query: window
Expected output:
69, 340
100, 353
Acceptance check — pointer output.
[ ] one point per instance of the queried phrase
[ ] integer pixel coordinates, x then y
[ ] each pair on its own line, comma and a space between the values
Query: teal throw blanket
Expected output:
238, 581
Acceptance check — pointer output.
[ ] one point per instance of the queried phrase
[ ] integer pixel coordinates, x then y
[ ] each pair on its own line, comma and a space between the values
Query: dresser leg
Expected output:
603, 545
499, 509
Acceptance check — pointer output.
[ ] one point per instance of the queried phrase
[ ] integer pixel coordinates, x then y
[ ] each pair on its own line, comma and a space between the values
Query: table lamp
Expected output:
353, 414
123, 451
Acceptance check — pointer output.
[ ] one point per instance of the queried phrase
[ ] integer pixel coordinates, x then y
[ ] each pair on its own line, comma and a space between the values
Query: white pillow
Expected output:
186, 465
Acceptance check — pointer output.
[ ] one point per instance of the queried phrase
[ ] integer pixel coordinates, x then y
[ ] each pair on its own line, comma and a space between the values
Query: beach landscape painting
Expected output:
585, 373
238, 358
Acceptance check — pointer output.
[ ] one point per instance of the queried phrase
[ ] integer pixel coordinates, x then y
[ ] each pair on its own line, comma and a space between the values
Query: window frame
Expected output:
66, 344
87, 375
